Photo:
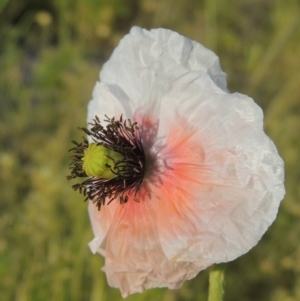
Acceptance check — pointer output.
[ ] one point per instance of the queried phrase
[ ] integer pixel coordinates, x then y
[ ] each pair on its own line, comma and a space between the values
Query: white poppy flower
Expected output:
212, 181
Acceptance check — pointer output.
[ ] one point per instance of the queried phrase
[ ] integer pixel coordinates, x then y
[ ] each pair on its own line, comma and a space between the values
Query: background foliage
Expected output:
50, 56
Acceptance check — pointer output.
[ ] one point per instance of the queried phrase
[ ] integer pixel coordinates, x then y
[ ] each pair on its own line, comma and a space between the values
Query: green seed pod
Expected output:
95, 159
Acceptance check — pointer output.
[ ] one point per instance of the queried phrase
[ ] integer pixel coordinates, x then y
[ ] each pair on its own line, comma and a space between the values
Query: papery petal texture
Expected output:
216, 179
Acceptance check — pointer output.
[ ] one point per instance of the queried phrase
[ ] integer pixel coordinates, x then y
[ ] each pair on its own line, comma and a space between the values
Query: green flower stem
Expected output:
216, 284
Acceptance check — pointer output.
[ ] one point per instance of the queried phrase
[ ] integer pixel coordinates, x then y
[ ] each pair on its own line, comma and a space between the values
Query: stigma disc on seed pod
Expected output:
99, 161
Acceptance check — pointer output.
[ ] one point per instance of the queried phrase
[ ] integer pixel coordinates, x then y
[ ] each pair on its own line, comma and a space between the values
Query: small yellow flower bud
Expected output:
95, 159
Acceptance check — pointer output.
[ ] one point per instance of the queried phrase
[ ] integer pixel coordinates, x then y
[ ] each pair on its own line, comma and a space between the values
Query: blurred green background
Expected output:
50, 56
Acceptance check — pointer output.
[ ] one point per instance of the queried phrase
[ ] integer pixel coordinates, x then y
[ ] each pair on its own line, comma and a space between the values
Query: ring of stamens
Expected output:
121, 136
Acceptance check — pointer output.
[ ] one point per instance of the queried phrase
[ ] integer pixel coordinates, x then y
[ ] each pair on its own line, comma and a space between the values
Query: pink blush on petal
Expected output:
179, 173
171, 187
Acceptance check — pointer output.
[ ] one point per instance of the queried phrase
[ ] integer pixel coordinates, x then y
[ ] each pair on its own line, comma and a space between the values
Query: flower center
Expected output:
115, 162
99, 161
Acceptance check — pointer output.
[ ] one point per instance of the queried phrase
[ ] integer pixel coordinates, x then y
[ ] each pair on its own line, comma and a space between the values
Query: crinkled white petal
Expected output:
134, 259
218, 178
147, 59
238, 195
